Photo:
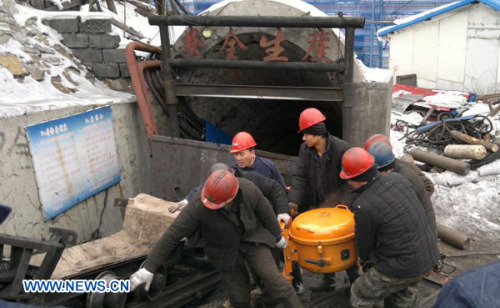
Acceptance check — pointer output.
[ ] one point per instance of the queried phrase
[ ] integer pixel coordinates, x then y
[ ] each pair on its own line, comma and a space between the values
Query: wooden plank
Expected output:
146, 218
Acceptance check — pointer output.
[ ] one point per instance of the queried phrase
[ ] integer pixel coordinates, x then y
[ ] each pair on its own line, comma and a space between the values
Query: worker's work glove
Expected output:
282, 243
140, 277
179, 206
293, 206
283, 217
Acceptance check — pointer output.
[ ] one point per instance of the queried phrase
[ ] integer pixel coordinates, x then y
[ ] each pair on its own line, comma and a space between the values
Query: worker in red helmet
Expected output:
243, 150
319, 165
386, 163
239, 228
315, 180
428, 184
395, 242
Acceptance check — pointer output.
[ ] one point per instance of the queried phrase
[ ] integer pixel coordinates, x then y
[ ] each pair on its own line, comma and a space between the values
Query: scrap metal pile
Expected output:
449, 136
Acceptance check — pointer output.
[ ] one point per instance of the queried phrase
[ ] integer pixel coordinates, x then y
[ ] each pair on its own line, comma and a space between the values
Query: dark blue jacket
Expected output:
478, 288
392, 229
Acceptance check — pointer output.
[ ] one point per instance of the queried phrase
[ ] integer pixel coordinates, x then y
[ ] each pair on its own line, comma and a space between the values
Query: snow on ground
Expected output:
471, 203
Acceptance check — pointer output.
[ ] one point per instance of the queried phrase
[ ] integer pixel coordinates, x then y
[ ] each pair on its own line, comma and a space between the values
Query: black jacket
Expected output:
419, 189
271, 189
392, 229
428, 184
331, 188
250, 219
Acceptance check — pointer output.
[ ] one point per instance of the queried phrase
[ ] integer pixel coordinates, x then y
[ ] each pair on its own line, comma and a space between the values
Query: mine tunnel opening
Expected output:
273, 123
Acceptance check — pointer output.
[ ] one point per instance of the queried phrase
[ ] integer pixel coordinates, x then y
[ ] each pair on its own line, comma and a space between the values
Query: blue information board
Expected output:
74, 158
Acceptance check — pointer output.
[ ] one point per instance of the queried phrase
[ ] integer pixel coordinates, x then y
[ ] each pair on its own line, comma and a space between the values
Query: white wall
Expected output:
481, 73
96, 215
458, 50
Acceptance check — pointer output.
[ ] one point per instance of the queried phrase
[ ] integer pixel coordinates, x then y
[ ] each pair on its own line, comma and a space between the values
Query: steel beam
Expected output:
323, 94
259, 21
259, 65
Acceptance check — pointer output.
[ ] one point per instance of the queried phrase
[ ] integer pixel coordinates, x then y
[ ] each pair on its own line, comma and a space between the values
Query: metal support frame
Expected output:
322, 94
18, 266
173, 90
259, 65
259, 21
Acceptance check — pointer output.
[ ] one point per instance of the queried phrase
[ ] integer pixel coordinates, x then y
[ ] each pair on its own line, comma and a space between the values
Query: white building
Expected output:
453, 47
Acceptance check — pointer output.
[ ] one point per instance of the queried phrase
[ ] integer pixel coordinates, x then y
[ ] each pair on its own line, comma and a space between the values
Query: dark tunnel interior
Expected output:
273, 123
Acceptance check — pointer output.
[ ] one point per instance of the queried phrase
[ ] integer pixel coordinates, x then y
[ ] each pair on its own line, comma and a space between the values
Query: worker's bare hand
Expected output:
282, 243
140, 277
179, 206
283, 217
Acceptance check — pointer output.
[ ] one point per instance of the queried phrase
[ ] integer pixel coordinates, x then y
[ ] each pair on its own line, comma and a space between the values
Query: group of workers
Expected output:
238, 210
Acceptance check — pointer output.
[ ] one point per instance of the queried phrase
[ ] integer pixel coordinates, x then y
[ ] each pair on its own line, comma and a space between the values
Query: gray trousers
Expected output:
261, 262
373, 287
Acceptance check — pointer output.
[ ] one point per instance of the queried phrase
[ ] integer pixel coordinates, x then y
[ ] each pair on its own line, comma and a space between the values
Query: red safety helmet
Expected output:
242, 141
377, 138
310, 117
355, 161
220, 188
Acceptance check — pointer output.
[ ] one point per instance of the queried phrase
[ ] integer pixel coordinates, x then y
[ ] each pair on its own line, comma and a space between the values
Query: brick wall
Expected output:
93, 43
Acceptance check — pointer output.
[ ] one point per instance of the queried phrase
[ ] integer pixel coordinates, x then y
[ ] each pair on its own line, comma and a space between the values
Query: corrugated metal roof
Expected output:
495, 4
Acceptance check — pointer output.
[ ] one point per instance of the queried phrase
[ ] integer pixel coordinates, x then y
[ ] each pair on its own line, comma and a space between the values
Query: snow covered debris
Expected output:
38, 72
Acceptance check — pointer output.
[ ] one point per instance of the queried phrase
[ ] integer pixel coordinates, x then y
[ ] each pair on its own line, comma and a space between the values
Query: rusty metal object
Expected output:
440, 161
140, 91
471, 140
102, 299
259, 21
470, 151
453, 237
194, 158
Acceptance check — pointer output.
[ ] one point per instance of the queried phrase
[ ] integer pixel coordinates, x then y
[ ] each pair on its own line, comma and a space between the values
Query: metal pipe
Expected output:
259, 21
169, 82
142, 99
349, 55
259, 65
451, 164
453, 237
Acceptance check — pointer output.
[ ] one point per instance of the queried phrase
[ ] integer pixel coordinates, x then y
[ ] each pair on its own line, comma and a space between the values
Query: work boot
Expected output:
299, 287
326, 285
297, 279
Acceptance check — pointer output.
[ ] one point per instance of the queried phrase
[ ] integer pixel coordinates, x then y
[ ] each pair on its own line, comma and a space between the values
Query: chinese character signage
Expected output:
74, 158
317, 50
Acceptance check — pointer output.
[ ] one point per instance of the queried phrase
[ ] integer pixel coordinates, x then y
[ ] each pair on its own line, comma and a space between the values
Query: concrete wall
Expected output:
92, 218
458, 50
367, 111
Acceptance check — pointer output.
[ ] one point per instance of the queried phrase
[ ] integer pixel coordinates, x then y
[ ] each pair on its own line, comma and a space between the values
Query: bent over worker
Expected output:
395, 242
239, 226
428, 184
386, 163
